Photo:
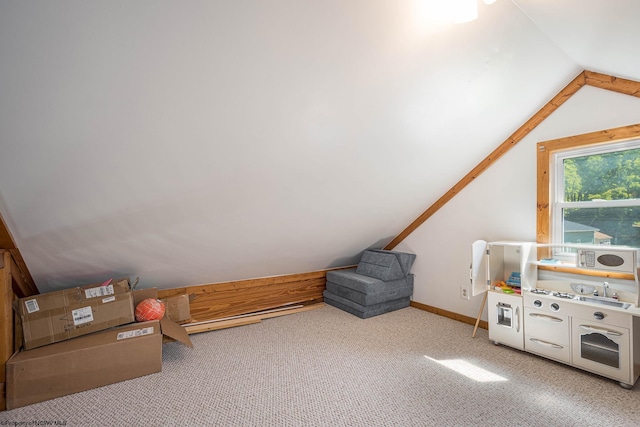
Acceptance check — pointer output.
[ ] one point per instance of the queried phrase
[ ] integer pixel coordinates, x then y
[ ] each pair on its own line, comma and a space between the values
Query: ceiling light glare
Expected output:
465, 11
432, 13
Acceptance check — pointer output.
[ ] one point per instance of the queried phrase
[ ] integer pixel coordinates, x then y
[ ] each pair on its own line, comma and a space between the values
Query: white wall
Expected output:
191, 142
205, 141
501, 203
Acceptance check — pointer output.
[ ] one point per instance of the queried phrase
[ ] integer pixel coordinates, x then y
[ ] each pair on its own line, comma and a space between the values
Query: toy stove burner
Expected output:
563, 295
540, 291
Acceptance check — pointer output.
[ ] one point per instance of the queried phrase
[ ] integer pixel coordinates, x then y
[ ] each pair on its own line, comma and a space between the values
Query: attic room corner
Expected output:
255, 184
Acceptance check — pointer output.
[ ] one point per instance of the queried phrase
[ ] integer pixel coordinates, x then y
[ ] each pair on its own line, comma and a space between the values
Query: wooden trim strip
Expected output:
551, 106
21, 287
7, 242
542, 197
28, 287
224, 324
619, 134
450, 314
261, 313
6, 313
587, 272
245, 319
615, 84
6, 239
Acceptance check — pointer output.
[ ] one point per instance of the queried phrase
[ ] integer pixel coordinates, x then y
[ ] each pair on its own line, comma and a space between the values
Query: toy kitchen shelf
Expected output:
498, 261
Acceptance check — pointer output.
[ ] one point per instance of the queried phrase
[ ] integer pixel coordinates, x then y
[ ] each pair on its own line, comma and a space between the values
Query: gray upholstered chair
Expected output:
380, 283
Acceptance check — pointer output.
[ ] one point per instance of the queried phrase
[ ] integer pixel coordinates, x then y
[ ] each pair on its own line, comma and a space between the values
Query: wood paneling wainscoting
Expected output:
230, 299
244, 302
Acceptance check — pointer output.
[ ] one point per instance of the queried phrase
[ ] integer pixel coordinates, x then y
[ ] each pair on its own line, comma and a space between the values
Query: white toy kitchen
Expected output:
578, 305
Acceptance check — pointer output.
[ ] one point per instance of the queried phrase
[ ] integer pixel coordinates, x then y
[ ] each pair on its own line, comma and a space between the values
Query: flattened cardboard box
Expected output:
61, 315
84, 363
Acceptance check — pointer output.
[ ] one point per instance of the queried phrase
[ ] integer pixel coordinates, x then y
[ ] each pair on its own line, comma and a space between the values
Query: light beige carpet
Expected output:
326, 367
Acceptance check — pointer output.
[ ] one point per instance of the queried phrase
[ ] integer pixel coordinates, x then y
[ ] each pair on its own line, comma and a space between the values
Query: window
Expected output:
597, 195
589, 188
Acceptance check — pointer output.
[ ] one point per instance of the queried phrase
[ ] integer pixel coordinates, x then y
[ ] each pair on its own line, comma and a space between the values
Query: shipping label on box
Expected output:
135, 333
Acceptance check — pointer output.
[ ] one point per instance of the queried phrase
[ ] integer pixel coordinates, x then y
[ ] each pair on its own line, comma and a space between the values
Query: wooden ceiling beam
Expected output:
551, 106
588, 78
615, 84
6, 239
27, 286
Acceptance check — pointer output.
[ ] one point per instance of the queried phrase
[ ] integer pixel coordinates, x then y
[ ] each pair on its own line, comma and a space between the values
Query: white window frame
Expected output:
556, 194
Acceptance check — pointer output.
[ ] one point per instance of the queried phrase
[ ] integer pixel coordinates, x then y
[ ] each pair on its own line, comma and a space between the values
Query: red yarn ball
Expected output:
149, 309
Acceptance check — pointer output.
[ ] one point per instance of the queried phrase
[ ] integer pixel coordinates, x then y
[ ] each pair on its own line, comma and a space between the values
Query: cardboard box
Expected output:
177, 308
90, 361
61, 315
84, 363
171, 329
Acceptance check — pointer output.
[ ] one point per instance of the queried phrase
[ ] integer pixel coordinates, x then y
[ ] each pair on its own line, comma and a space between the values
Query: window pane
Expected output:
605, 176
602, 226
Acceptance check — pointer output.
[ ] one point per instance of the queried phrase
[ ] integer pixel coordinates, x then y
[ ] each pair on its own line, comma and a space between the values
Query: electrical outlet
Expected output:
464, 292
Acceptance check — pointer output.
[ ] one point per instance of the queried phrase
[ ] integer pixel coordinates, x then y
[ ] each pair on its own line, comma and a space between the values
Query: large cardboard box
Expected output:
84, 363
61, 315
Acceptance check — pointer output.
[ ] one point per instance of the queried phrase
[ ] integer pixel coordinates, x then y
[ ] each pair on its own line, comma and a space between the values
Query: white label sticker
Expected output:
32, 306
108, 299
82, 315
99, 291
135, 333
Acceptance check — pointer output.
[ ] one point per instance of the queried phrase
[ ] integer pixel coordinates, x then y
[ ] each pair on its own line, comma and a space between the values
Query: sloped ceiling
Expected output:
199, 142
596, 34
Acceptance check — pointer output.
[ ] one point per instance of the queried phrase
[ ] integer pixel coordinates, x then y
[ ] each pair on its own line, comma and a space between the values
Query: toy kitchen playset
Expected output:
578, 305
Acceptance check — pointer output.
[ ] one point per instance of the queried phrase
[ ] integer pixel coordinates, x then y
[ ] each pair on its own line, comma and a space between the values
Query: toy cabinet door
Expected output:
478, 270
